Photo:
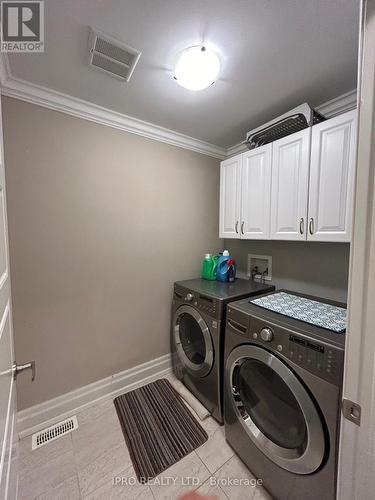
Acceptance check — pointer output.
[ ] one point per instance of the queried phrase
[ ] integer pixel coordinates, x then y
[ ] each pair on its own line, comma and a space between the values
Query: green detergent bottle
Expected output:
209, 267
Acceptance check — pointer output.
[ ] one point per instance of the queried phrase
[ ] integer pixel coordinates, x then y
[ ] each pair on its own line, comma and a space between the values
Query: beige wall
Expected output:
313, 268
101, 223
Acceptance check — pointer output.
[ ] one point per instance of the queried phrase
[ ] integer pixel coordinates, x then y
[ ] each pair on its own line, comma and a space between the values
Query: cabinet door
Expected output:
256, 193
230, 197
332, 172
290, 177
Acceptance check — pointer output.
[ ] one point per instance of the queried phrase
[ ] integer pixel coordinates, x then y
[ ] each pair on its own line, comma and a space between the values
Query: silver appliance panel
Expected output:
193, 340
275, 410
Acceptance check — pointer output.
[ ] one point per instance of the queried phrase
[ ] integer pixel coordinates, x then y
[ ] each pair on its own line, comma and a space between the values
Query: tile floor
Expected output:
86, 463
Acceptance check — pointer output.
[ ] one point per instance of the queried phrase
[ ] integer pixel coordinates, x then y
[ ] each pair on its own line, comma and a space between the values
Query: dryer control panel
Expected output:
201, 302
324, 360
319, 357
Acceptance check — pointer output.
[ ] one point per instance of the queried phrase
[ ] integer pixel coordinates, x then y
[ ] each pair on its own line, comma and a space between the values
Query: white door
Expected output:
290, 178
256, 193
356, 478
8, 473
230, 197
332, 172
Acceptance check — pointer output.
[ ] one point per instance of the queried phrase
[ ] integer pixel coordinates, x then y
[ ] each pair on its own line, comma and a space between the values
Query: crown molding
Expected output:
48, 98
57, 101
236, 149
336, 106
4, 68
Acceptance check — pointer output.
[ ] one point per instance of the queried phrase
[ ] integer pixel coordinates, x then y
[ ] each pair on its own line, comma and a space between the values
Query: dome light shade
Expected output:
197, 68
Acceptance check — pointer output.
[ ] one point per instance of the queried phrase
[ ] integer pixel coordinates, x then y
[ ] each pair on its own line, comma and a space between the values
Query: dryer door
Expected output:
275, 409
193, 340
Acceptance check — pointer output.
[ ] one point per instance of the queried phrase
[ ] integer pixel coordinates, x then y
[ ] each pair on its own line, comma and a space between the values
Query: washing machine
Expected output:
282, 399
197, 334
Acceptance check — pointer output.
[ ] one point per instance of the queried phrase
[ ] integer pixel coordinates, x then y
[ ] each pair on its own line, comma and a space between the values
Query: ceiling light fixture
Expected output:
197, 68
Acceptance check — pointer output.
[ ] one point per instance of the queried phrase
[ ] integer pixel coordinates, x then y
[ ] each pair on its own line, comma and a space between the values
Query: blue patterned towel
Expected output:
307, 310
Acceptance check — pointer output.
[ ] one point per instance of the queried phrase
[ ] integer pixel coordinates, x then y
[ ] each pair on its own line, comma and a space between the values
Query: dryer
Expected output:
282, 400
197, 334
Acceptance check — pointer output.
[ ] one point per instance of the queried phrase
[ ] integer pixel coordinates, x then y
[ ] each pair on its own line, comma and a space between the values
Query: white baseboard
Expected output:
48, 413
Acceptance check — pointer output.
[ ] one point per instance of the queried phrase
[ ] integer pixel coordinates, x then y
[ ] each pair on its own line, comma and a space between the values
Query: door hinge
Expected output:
351, 411
26, 366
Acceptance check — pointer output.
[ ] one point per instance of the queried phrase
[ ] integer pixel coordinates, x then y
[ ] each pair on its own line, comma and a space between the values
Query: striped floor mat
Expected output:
158, 428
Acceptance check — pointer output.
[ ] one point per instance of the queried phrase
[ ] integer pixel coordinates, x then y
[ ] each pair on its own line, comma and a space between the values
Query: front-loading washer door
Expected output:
193, 340
275, 409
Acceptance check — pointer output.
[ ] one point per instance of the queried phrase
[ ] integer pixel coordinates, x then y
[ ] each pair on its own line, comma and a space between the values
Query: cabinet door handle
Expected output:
301, 226
236, 228
311, 226
242, 225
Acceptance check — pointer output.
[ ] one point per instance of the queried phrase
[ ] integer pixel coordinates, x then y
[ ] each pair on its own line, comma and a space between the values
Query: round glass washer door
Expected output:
275, 409
193, 341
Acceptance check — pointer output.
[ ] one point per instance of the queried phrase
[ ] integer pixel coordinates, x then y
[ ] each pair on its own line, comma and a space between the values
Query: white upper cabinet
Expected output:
332, 172
290, 179
300, 187
256, 193
230, 197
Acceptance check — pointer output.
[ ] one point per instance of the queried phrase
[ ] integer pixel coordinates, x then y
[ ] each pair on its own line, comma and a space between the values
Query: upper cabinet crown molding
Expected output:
338, 105
300, 187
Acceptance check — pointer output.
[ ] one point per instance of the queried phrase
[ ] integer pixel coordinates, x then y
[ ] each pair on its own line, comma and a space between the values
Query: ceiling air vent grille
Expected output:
112, 56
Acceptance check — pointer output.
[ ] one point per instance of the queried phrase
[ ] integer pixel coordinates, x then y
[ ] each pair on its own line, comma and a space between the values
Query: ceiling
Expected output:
275, 55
